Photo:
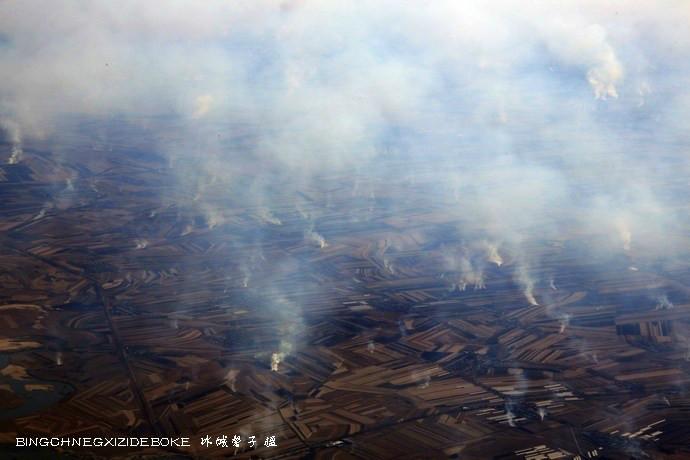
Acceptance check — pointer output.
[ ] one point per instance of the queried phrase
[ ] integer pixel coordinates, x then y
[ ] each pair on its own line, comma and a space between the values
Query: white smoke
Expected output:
317, 238
487, 104
469, 275
40, 215
266, 216
14, 136
469, 267
202, 105
625, 234
493, 255
564, 322
663, 303
604, 69
280, 355
276, 359
371, 347
524, 279
231, 378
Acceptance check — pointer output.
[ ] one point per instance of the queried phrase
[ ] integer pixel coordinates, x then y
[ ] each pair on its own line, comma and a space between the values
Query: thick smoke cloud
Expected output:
532, 117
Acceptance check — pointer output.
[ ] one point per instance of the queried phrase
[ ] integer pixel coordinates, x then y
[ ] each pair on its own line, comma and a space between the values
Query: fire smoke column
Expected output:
276, 358
470, 275
552, 284
381, 254
663, 303
41, 214
624, 234
492, 255
565, 321
279, 356
317, 238
231, 379
266, 216
589, 48
202, 105
527, 283
15, 137
607, 70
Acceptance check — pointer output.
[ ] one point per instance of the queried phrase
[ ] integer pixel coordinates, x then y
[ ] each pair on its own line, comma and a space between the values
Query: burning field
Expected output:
348, 230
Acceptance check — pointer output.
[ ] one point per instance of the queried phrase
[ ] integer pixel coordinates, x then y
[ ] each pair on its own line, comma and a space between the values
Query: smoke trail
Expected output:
279, 356
493, 255
525, 280
565, 322
663, 303
314, 237
625, 234
13, 132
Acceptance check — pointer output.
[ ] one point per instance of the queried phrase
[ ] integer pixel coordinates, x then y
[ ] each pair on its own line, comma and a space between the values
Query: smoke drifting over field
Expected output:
530, 119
